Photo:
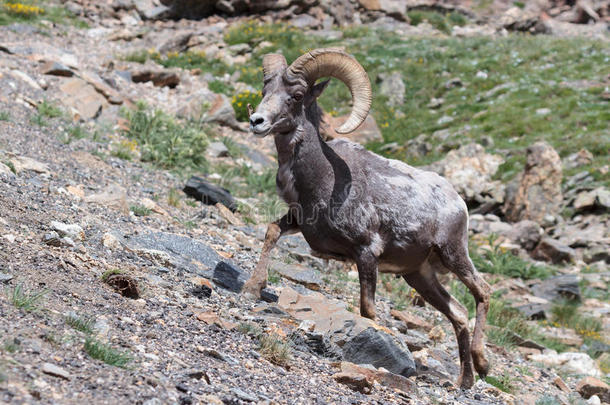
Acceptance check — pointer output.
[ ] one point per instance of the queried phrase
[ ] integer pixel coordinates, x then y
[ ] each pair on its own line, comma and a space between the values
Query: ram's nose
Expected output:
256, 120
259, 125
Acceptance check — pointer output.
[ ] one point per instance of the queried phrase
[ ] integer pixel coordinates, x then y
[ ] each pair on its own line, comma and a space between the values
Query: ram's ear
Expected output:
318, 88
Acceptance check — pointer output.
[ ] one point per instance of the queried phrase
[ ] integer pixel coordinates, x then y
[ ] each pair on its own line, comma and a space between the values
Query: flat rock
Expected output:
24, 163
181, 252
82, 98
55, 371
72, 231
393, 87
299, 274
111, 196
207, 106
159, 78
385, 378
357, 382
589, 386
565, 286
5, 277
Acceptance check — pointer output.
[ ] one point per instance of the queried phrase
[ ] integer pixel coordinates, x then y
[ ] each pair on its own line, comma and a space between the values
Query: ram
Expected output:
351, 204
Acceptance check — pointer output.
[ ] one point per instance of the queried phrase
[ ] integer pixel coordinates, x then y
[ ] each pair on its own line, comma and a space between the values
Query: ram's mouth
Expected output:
260, 132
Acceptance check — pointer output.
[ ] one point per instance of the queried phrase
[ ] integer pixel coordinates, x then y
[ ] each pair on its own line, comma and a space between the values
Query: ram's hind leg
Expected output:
456, 259
428, 286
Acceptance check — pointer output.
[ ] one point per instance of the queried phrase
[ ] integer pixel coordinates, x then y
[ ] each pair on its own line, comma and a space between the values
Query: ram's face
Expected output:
280, 108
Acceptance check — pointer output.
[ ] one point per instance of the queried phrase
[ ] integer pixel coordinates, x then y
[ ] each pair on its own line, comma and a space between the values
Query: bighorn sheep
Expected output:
351, 204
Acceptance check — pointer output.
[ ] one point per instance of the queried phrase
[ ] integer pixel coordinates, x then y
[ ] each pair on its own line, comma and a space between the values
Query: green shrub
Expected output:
165, 142
499, 261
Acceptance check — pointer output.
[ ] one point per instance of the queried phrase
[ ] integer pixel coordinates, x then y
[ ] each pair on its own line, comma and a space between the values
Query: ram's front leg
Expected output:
284, 226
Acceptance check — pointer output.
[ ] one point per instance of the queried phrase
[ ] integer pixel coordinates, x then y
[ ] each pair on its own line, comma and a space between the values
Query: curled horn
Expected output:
334, 62
273, 63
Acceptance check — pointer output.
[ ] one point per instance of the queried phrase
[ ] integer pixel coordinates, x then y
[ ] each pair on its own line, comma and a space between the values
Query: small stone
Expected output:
229, 276
482, 75
72, 231
455, 82
244, 396
543, 111
561, 385
412, 321
110, 241
437, 333
56, 69
5, 277
52, 239
217, 149
56, 371
435, 102
268, 295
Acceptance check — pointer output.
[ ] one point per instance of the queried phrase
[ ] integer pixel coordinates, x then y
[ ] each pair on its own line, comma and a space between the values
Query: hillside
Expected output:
121, 265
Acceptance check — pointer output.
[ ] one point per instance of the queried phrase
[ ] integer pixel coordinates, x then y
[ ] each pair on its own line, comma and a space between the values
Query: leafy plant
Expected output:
106, 353
49, 110
74, 132
240, 103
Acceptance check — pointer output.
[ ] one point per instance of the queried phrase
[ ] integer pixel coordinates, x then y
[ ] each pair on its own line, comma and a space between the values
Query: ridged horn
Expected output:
273, 63
334, 62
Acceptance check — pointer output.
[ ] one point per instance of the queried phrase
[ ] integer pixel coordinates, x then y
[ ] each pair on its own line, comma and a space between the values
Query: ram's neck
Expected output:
301, 147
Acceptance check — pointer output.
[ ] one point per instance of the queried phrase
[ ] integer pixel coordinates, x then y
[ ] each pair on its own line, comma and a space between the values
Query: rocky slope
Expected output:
117, 287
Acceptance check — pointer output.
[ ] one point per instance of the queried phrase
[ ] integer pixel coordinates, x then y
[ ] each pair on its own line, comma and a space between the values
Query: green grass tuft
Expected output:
24, 299
275, 350
251, 329
140, 210
504, 382
82, 324
106, 353
5, 116
106, 275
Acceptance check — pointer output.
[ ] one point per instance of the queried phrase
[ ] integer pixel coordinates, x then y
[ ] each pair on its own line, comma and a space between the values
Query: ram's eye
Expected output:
298, 96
